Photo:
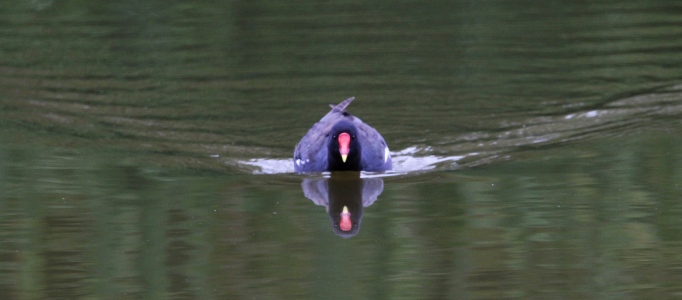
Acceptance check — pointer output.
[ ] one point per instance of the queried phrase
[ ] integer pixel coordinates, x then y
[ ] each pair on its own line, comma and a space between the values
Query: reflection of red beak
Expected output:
345, 223
344, 145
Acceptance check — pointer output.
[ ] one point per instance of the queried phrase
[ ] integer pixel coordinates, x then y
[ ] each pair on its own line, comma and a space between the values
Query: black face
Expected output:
334, 159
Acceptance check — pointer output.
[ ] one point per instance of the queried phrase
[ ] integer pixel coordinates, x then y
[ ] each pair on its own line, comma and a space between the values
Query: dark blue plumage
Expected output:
318, 150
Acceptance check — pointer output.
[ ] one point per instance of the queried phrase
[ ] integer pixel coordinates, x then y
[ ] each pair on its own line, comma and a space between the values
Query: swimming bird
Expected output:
341, 142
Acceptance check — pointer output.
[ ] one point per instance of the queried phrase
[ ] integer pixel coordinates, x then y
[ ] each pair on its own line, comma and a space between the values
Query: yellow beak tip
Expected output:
344, 157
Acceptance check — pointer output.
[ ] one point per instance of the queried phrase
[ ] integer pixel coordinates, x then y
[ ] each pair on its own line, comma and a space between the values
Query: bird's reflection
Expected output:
344, 194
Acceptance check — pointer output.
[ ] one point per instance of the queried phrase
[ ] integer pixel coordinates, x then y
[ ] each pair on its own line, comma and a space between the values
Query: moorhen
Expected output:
341, 142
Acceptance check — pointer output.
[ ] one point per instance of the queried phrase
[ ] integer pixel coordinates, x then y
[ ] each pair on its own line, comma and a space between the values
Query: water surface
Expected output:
145, 150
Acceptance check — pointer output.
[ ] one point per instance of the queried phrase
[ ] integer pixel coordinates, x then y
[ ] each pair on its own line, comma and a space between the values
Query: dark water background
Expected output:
145, 149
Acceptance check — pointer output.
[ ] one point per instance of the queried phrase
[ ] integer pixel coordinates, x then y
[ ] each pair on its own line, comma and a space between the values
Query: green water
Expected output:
145, 150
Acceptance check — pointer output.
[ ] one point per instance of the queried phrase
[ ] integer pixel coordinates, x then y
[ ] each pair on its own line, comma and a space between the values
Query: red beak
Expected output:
344, 145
